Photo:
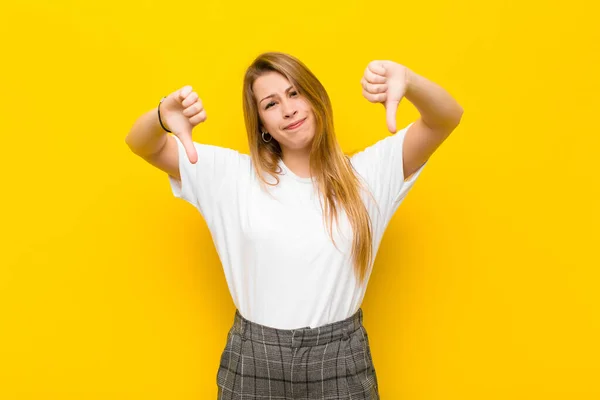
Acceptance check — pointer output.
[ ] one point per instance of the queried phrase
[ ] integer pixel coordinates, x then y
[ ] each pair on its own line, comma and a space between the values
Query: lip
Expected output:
296, 124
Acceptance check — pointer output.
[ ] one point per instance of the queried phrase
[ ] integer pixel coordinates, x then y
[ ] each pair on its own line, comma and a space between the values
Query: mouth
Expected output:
295, 125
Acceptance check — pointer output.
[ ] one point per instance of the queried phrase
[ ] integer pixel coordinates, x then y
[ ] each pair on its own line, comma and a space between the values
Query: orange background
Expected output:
486, 282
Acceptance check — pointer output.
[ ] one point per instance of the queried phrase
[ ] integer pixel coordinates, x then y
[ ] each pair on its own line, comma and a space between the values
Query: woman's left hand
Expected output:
385, 82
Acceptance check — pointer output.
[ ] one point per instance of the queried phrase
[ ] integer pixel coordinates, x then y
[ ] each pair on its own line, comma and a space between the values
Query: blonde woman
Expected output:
297, 223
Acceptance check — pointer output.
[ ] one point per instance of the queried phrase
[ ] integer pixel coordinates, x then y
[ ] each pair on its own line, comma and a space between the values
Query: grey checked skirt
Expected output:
332, 361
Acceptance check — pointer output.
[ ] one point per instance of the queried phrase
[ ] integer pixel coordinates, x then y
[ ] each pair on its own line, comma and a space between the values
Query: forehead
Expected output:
269, 83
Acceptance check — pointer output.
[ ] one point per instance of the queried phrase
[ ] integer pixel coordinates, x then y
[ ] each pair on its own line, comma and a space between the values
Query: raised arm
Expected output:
180, 112
387, 82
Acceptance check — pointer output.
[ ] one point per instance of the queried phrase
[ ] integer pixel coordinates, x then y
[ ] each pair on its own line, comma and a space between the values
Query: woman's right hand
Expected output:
180, 112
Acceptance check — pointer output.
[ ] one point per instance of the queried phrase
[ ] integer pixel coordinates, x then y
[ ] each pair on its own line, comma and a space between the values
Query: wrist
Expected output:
161, 120
409, 79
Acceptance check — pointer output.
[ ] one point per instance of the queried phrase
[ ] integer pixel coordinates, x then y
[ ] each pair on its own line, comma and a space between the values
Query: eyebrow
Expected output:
274, 94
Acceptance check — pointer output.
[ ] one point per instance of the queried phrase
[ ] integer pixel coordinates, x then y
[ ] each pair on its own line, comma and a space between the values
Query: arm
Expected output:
388, 82
439, 111
146, 136
181, 111
440, 115
148, 140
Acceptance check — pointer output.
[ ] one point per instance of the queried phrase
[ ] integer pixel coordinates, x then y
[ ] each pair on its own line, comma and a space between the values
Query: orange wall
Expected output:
486, 284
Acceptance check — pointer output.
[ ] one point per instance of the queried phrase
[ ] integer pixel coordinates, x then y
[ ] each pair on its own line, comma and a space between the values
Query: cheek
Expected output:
271, 121
264, 119
310, 112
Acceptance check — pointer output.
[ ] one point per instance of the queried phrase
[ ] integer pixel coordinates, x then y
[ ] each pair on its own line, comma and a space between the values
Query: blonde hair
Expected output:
330, 167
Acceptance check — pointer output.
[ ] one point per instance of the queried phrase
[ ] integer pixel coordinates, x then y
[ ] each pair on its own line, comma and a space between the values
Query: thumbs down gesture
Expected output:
385, 82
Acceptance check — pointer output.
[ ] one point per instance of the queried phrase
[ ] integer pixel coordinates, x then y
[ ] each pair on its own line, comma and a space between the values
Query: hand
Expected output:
385, 82
181, 111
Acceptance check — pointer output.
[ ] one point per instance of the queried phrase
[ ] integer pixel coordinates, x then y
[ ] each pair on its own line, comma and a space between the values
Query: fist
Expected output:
181, 111
385, 82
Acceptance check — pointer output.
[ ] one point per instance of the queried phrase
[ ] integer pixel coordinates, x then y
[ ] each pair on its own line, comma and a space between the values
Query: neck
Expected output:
298, 163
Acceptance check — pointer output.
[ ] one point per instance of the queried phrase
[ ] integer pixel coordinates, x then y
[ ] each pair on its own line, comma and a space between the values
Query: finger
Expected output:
188, 145
391, 107
373, 88
190, 98
376, 67
374, 98
193, 109
200, 117
184, 92
372, 77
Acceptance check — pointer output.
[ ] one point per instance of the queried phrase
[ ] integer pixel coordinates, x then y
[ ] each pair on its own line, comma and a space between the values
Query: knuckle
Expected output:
200, 117
375, 78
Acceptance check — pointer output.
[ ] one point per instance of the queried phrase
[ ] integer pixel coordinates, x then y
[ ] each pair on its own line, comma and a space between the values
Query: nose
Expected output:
288, 110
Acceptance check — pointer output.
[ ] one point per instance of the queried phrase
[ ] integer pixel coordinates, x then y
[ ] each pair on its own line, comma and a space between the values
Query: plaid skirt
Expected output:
332, 361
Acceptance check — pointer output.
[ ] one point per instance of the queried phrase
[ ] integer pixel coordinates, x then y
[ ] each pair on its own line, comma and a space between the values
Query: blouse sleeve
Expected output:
202, 184
381, 167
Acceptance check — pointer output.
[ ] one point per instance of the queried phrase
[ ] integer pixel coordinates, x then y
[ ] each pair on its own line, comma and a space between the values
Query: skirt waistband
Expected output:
299, 337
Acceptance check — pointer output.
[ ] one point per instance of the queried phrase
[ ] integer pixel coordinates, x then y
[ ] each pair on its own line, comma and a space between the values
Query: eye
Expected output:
293, 93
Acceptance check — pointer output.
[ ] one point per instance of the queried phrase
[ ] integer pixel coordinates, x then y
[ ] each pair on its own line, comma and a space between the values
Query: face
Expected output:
279, 105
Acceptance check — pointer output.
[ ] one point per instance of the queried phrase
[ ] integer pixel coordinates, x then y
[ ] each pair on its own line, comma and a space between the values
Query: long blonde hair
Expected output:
330, 167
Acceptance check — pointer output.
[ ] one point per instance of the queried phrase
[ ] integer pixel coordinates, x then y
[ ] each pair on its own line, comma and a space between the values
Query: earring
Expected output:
263, 137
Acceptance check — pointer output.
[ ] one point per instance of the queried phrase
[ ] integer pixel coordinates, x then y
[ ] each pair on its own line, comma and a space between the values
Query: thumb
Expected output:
188, 145
391, 106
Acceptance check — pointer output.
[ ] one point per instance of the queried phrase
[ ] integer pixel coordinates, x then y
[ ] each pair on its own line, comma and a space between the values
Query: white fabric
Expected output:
281, 267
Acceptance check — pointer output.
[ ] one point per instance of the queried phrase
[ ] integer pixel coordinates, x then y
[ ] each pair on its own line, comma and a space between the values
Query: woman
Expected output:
296, 223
